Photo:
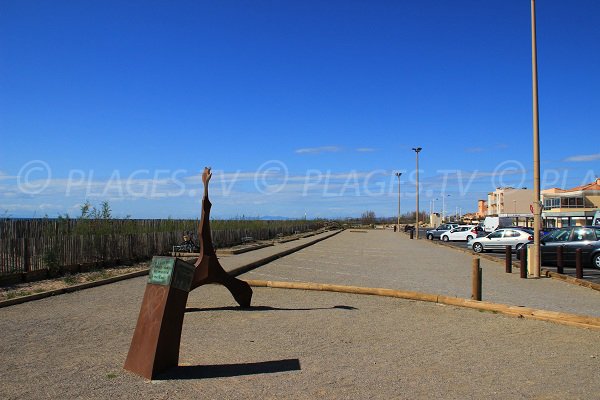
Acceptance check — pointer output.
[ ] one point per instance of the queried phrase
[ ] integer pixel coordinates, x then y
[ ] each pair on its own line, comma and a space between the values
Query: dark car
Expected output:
586, 238
437, 232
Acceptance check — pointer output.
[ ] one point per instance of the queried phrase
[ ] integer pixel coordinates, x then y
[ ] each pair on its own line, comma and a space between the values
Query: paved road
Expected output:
589, 274
303, 345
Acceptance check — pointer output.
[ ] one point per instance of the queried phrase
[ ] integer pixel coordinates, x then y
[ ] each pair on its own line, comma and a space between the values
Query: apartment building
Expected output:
482, 209
571, 207
509, 201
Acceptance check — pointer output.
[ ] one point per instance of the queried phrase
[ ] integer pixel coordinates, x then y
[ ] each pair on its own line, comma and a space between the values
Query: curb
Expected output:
550, 274
255, 264
580, 321
75, 288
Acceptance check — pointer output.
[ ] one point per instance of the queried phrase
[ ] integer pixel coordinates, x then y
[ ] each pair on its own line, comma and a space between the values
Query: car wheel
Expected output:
596, 260
445, 238
518, 247
469, 238
478, 248
430, 236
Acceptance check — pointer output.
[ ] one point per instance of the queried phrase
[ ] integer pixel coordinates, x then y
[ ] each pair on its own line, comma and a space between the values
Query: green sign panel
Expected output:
170, 271
161, 270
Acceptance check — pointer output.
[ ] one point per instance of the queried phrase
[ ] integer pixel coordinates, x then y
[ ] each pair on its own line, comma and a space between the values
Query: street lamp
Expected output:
444, 206
417, 150
398, 175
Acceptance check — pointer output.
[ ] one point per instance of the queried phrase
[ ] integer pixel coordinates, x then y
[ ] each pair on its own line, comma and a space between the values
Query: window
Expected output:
553, 202
571, 202
559, 235
495, 235
580, 234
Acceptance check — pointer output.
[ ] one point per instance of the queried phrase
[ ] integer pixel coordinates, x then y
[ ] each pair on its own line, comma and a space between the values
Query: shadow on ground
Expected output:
230, 370
265, 308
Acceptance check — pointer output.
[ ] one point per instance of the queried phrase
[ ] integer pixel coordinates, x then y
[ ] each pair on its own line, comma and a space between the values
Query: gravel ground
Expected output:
302, 344
383, 259
296, 345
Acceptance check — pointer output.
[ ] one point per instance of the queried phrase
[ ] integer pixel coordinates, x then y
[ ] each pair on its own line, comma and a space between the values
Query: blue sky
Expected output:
301, 107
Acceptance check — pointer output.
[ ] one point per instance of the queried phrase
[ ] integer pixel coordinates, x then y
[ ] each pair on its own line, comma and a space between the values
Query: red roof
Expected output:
590, 186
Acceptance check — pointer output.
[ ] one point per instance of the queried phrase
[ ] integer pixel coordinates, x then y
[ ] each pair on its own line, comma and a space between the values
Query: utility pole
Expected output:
417, 150
398, 175
536, 151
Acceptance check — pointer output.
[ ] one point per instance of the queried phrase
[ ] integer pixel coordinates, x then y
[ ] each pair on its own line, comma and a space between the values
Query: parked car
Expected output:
461, 232
480, 231
437, 232
586, 238
500, 238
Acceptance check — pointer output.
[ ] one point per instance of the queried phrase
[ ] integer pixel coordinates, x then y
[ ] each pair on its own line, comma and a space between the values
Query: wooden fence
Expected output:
32, 245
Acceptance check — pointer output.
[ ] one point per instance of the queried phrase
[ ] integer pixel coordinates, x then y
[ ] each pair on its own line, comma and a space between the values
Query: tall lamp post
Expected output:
537, 220
398, 175
444, 206
417, 150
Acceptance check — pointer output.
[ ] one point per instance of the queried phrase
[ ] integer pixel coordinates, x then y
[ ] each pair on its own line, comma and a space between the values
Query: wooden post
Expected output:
26, 260
578, 265
476, 280
559, 260
524, 262
508, 259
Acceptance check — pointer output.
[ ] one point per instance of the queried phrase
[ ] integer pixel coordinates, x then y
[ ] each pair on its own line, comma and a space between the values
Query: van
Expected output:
490, 224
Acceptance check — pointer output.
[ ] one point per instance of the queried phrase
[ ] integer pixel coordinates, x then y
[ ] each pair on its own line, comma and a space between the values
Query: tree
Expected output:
368, 217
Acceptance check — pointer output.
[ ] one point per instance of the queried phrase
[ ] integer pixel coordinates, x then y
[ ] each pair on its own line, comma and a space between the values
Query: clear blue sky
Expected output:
299, 106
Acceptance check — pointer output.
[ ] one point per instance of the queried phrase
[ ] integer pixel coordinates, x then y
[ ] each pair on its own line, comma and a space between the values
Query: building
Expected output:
482, 209
509, 201
571, 207
435, 219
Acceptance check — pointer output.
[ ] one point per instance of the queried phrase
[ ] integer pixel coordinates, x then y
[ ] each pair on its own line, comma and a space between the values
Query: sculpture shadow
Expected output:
230, 370
266, 308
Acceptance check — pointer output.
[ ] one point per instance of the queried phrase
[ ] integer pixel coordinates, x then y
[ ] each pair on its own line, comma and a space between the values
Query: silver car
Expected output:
500, 238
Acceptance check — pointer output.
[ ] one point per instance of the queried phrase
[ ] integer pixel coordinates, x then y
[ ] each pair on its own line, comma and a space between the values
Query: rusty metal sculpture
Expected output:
208, 269
155, 343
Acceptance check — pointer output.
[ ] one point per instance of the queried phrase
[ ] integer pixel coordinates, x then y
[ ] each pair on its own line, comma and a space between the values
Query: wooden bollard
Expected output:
559, 259
524, 262
476, 280
508, 260
578, 264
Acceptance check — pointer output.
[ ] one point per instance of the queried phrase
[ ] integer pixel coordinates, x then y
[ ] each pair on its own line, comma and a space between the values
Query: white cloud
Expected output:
4, 175
318, 150
583, 158
365, 150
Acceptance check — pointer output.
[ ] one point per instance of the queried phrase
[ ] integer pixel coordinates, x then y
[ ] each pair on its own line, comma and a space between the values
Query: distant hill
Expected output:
275, 218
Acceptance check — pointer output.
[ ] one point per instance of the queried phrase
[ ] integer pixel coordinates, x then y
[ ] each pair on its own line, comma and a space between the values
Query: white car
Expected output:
462, 232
